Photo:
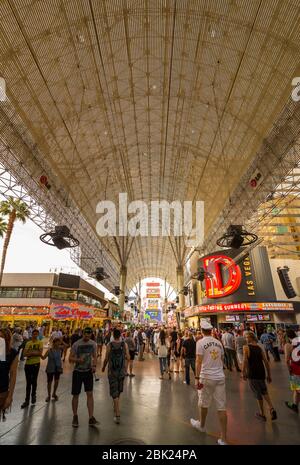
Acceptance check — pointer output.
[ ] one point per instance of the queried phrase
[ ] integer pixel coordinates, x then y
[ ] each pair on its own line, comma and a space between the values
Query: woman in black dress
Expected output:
8, 370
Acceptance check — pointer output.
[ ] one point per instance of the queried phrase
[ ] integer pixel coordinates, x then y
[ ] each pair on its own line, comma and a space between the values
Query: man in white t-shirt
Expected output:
210, 379
230, 350
135, 334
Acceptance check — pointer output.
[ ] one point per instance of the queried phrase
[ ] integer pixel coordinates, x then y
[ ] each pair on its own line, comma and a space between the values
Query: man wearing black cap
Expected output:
84, 355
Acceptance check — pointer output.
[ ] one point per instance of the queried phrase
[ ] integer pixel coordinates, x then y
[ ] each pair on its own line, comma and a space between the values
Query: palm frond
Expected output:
20, 208
3, 227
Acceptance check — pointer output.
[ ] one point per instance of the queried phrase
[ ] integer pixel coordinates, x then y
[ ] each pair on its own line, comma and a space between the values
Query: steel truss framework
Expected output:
277, 160
48, 207
160, 99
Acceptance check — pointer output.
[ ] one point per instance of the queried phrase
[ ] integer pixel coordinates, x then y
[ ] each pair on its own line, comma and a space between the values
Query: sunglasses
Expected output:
88, 332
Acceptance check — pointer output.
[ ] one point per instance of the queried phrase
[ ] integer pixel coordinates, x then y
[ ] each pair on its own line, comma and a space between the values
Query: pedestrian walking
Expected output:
210, 380
255, 366
230, 350
116, 355
189, 354
33, 352
240, 342
163, 346
267, 339
131, 347
54, 367
8, 371
84, 354
292, 359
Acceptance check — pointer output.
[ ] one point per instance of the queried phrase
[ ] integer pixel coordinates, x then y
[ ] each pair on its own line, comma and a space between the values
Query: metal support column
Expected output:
123, 276
180, 285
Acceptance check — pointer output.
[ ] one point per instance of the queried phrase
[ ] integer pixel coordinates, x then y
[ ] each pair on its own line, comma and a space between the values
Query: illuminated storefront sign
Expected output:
232, 318
215, 287
153, 303
239, 307
258, 318
55, 312
21, 310
99, 313
235, 276
153, 293
153, 315
61, 312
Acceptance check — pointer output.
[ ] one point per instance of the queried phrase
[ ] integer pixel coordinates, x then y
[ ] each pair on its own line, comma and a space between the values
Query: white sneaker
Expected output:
196, 424
222, 443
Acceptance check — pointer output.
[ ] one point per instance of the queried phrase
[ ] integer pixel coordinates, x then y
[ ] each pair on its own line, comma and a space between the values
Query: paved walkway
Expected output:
152, 412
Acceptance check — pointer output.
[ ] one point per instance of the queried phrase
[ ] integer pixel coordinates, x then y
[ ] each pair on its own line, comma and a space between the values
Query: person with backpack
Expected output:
117, 353
131, 347
267, 339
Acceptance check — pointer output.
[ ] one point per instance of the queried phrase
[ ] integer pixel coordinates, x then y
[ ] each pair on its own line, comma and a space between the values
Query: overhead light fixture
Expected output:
201, 274
99, 274
60, 238
116, 290
235, 237
270, 197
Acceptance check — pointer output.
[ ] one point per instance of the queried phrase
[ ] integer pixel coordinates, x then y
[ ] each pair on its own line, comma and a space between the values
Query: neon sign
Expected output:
239, 307
71, 312
215, 287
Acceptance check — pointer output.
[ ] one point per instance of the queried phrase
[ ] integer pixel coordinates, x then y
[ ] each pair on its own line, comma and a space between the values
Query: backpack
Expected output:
117, 357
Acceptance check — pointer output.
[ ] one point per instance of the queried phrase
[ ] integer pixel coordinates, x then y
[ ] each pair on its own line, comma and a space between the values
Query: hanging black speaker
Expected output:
283, 273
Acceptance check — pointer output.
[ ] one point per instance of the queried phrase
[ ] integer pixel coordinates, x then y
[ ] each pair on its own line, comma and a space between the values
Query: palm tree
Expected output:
15, 209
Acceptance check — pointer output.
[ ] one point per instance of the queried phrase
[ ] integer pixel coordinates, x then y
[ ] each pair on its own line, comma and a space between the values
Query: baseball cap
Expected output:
87, 330
204, 324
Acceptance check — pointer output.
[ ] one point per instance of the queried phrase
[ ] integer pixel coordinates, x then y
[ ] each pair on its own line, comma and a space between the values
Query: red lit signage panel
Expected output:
227, 281
216, 286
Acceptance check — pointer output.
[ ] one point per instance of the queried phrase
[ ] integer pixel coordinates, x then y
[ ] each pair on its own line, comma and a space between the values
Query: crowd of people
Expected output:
206, 352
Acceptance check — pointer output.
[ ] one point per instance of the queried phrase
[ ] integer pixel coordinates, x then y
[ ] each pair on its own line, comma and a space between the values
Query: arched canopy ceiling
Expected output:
162, 99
